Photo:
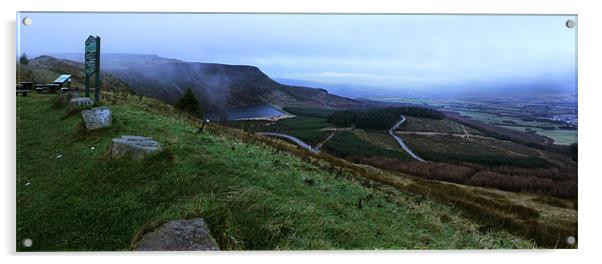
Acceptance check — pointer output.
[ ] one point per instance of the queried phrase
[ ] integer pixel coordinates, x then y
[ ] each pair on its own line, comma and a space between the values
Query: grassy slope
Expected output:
252, 197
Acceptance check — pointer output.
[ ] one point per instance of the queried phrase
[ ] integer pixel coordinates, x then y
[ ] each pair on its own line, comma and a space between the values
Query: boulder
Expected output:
97, 118
66, 95
80, 102
134, 147
178, 235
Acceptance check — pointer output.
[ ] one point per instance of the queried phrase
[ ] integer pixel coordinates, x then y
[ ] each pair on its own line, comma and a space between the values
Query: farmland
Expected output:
457, 148
554, 117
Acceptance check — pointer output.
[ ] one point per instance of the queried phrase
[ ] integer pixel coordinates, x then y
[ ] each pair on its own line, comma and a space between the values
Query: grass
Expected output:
560, 136
415, 124
452, 149
300, 123
252, 196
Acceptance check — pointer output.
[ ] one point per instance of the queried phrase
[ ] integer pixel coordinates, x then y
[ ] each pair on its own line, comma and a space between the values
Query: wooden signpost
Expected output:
92, 66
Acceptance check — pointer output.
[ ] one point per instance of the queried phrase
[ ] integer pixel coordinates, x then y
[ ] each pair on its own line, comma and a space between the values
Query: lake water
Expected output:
258, 111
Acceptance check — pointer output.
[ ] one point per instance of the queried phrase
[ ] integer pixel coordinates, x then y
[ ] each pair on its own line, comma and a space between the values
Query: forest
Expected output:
379, 118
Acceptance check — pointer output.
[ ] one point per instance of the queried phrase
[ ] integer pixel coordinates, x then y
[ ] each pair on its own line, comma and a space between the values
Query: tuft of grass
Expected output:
252, 195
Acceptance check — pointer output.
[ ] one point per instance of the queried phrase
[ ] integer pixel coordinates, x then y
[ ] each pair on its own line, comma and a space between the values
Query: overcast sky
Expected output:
391, 51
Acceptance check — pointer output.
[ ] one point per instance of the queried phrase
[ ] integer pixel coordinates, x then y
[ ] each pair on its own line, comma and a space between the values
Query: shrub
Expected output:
188, 103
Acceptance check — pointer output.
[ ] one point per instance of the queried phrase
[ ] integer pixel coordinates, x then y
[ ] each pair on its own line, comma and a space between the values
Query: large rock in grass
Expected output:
178, 235
97, 118
134, 147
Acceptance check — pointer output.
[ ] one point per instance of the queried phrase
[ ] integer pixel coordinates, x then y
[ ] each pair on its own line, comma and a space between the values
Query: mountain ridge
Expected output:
216, 86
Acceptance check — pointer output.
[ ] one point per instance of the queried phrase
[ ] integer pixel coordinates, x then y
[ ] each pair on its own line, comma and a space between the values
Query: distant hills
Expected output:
216, 86
45, 69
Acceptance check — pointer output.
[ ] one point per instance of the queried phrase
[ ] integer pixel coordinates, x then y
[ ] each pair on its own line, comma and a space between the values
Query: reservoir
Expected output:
264, 111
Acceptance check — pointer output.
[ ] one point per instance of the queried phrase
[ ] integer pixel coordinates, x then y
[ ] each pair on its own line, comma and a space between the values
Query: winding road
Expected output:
398, 139
291, 138
308, 147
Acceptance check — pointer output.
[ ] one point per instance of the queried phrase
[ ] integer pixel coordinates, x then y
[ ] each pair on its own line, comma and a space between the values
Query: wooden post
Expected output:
200, 130
97, 89
87, 85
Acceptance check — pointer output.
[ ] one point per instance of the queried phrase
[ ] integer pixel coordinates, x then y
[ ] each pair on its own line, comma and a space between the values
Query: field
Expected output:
484, 161
560, 136
483, 151
465, 151
517, 113
501, 132
347, 145
300, 123
251, 197
417, 101
414, 124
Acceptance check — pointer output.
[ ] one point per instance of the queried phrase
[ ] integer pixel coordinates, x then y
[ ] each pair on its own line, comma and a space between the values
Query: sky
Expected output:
392, 52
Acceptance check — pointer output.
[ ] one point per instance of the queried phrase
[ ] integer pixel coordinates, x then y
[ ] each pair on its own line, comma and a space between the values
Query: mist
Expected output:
391, 54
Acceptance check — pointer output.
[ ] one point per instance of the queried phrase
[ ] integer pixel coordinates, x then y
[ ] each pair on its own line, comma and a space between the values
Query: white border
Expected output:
590, 71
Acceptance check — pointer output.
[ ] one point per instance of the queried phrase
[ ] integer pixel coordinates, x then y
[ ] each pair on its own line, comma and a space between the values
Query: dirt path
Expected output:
466, 135
399, 141
319, 145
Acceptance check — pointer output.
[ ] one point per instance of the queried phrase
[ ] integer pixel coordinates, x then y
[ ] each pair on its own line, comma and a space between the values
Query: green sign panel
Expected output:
92, 65
90, 55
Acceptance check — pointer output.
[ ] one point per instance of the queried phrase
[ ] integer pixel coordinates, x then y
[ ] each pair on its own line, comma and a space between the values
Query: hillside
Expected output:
252, 194
217, 86
45, 69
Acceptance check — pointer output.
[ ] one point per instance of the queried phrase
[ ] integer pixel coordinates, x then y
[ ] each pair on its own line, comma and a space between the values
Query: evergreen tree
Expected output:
188, 103
23, 59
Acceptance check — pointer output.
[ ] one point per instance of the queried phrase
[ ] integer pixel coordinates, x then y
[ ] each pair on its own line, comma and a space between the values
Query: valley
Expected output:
552, 116
502, 178
468, 153
187, 131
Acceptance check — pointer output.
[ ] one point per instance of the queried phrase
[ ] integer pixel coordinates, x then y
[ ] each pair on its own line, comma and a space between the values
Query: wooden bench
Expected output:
23, 92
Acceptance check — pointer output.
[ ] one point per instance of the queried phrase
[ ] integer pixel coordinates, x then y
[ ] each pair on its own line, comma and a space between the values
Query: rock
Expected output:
178, 235
97, 118
80, 102
135, 147
65, 97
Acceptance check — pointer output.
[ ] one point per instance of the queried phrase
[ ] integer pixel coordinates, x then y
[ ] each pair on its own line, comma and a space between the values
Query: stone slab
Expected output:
178, 235
97, 118
134, 147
